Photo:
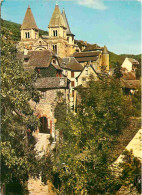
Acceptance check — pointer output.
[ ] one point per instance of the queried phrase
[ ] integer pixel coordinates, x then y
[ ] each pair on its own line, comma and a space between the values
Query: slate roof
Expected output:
72, 64
86, 56
66, 23
57, 18
29, 21
133, 61
130, 84
51, 83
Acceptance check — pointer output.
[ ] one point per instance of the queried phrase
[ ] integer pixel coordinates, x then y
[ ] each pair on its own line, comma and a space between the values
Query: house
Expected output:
129, 82
72, 68
98, 57
50, 82
130, 64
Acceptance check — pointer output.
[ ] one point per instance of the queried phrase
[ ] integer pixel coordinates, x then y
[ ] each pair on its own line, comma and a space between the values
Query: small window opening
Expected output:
55, 33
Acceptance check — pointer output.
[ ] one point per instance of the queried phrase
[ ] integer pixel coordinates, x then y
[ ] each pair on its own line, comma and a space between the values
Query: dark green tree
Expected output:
131, 171
17, 155
82, 161
117, 70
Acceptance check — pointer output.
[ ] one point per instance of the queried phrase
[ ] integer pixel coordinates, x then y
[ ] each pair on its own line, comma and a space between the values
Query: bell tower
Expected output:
57, 27
29, 29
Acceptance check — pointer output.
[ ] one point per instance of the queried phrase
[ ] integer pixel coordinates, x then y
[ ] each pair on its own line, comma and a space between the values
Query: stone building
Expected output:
49, 83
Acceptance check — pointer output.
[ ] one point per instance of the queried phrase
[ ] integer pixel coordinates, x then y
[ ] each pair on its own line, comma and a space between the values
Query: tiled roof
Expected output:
133, 61
129, 75
86, 54
51, 83
130, 84
57, 18
66, 23
72, 63
87, 59
29, 21
40, 59
92, 47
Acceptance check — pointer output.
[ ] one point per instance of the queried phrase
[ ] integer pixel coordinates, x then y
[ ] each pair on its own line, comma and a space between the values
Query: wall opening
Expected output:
44, 125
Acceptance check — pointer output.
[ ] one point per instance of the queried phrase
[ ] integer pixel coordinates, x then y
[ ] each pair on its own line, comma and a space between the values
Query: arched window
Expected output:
44, 125
55, 33
27, 34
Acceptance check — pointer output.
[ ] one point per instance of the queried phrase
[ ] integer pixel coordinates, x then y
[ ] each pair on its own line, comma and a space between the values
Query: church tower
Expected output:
105, 58
70, 36
29, 29
57, 27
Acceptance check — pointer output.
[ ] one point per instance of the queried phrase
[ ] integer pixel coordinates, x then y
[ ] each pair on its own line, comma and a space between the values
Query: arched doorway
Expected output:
44, 125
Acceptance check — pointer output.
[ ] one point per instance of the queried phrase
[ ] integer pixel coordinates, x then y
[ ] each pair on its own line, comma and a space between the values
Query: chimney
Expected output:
25, 52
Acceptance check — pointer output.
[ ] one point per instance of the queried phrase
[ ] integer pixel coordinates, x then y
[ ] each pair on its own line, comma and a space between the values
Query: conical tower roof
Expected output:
29, 21
57, 19
66, 22
105, 51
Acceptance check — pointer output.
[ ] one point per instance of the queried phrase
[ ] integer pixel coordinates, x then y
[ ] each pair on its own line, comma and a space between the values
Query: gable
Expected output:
40, 42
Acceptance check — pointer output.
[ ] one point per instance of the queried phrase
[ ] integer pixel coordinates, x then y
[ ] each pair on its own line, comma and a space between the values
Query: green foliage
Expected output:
17, 154
136, 102
117, 71
82, 160
131, 171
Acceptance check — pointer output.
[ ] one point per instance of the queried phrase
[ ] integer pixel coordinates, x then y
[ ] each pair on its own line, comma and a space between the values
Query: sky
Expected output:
114, 23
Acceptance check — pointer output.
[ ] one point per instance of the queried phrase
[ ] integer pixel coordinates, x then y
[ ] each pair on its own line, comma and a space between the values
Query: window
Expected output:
68, 39
72, 74
72, 83
26, 59
54, 61
35, 35
86, 71
43, 95
27, 34
44, 125
55, 33
55, 48
72, 93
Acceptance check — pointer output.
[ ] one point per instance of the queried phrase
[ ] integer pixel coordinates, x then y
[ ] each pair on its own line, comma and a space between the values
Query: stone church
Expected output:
61, 63
60, 38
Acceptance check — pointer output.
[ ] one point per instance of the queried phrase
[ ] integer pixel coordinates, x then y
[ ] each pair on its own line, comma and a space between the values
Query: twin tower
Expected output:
60, 38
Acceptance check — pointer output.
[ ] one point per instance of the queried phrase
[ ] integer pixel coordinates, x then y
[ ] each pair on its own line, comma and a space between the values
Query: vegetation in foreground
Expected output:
18, 160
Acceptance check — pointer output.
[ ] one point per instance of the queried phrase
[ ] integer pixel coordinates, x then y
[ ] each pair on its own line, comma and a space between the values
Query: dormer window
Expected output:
54, 61
55, 33
26, 59
27, 34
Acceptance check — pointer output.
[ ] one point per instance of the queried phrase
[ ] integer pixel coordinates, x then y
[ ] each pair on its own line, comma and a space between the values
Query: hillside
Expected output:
15, 30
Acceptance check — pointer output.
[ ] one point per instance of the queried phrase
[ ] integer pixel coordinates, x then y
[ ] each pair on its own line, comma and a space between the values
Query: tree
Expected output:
82, 161
131, 171
117, 70
17, 154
